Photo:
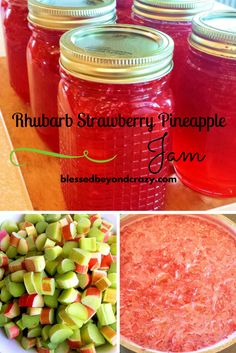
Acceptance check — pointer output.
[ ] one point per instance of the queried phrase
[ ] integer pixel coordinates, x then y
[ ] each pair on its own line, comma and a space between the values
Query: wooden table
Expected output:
42, 173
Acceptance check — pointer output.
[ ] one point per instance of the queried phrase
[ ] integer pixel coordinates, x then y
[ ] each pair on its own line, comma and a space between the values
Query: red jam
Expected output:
178, 31
208, 88
43, 66
178, 283
43, 53
129, 145
124, 8
3, 8
173, 18
17, 34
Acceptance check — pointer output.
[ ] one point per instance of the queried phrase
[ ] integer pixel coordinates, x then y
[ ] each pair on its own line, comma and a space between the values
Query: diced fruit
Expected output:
91, 334
68, 296
48, 286
3, 260
109, 334
53, 253
29, 282
67, 280
113, 279
9, 226
75, 340
12, 330
90, 348
69, 232
81, 269
28, 343
80, 256
35, 264
60, 333
92, 298
84, 280
110, 296
16, 289
78, 310
105, 314
12, 310
29, 321
66, 265
17, 265
34, 218
103, 283
54, 232
57, 282
95, 261
47, 316
88, 244
4, 240
32, 300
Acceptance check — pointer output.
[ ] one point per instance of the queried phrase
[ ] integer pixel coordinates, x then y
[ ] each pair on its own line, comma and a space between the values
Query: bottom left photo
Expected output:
58, 283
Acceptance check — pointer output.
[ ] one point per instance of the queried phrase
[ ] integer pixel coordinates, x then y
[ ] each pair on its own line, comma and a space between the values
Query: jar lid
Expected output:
67, 14
171, 10
215, 33
116, 53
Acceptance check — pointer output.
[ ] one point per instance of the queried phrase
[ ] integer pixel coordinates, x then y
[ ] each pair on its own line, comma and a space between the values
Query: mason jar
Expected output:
124, 9
115, 72
209, 90
48, 21
174, 18
16, 34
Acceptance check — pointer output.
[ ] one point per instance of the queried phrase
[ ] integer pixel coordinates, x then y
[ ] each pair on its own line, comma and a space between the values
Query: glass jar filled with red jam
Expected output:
114, 83
209, 91
172, 17
48, 21
17, 34
124, 9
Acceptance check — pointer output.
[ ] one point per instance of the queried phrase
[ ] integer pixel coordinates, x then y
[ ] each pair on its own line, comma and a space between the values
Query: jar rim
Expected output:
69, 14
116, 53
215, 33
169, 10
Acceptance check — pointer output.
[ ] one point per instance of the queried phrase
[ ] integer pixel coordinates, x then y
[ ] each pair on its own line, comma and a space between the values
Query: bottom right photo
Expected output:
178, 283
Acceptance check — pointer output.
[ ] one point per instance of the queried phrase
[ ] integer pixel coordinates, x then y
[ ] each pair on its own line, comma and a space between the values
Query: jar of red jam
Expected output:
208, 90
17, 34
110, 75
172, 17
48, 21
124, 8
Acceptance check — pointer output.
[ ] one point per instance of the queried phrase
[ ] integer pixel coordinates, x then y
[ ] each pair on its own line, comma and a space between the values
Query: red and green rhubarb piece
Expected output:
11, 330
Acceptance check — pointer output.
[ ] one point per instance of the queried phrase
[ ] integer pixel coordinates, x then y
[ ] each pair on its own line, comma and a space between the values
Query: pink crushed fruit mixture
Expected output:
178, 283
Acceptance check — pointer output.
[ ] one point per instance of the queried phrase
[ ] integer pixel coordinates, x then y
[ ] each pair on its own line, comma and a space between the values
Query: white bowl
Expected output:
12, 346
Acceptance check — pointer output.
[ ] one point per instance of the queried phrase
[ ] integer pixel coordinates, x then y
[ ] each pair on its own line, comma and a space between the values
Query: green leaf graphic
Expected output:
56, 155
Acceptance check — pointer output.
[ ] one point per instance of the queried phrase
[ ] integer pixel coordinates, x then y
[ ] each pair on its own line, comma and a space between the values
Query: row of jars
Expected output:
110, 69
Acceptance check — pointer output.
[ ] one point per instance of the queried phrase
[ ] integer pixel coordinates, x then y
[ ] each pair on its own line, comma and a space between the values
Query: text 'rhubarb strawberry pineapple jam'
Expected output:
107, 72
178, 282
49, 19
209, 88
